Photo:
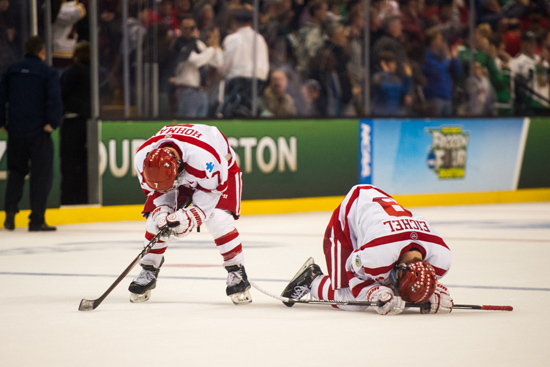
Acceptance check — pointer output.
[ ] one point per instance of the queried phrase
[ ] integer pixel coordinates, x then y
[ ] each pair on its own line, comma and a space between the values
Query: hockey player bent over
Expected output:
195, 162
377, 251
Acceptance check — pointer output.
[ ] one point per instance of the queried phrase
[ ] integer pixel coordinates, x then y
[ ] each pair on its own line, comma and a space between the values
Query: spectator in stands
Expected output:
193, 54
356, 65
181, 9
478, 89
375, 20
276, 101
167, 17
530, 75
109, 38
448, 21
487, 55
410, 19
275, 27
512, 37
388, 89
440, 63
330, 68
503, 85
389, 41
205, 22
311, 91
238, 65
7, 37
310, 37
63, 33
160, 46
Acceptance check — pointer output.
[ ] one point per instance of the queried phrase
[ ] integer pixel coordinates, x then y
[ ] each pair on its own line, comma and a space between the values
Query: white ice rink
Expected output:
501, 256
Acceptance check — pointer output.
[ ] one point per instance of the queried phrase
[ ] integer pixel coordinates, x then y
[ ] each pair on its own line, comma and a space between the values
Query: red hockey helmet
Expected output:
417, 281
160, 169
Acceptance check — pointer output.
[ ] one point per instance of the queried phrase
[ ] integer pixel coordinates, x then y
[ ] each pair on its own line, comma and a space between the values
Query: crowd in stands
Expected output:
310, 58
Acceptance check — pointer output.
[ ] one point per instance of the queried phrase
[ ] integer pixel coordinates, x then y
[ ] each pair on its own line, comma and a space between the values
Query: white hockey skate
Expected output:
238, 285
141, 286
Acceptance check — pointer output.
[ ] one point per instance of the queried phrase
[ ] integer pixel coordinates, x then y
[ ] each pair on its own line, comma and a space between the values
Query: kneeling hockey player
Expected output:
377, 251
182, 163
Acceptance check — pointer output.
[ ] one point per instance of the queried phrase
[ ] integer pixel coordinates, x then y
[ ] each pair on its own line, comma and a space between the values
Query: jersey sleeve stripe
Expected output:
374, 272
404, 237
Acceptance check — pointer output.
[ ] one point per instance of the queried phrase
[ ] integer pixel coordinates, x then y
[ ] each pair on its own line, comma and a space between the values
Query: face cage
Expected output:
397, 272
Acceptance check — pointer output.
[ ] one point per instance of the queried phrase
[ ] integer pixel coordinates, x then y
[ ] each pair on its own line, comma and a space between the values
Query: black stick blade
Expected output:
86, 305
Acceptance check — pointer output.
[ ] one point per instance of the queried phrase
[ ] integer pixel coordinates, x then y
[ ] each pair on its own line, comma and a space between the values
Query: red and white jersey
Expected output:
207, 159
368, 233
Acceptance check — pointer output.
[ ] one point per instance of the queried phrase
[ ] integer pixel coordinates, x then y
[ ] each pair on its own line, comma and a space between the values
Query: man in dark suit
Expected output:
30, 109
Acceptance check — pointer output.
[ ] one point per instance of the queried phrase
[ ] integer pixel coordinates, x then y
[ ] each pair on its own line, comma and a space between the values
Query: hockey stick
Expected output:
89, 305
368, 304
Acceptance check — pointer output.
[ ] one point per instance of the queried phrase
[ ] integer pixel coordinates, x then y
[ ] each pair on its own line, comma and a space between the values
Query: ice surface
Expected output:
500, 257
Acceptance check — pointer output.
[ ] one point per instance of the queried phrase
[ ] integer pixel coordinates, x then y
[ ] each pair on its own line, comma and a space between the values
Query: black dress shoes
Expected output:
9, 223
41, 227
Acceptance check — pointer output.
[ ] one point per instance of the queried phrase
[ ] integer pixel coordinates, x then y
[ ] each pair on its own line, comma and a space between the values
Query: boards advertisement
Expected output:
535, 168
443, 155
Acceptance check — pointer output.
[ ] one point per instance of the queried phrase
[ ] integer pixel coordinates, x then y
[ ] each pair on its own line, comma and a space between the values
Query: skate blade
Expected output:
138, 298
241, 298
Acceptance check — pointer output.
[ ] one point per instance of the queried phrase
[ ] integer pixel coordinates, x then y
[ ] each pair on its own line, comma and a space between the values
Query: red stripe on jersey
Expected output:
231, 254
405, 236
330, 292
321, 286
352, 199
149, 236
158, 251
359, 287
439, 272
228, 237
200, 174
378, 271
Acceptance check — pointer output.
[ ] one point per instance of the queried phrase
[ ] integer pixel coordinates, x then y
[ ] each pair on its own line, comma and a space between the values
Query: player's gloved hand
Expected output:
440, 301
159, 215
183, 221
391, 304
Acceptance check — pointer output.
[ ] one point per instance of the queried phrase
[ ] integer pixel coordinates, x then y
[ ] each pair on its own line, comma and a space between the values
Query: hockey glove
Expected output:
159, 215
439, 302
183, 221
390, 303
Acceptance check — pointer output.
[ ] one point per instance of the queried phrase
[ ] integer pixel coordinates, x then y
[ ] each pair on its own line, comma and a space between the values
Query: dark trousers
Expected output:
74, 161
38, 150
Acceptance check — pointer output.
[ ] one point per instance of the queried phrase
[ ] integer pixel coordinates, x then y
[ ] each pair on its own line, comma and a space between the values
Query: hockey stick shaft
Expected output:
375, 304
89, 305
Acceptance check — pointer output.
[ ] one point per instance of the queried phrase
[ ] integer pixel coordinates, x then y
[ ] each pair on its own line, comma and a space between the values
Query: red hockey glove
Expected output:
391, 304
440, 301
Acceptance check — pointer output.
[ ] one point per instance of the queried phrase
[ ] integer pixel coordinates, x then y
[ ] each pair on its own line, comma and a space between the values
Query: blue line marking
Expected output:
537, 289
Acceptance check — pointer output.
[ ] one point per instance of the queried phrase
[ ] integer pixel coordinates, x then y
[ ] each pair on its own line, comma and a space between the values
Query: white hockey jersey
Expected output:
207, 159
368, 233
63, 42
